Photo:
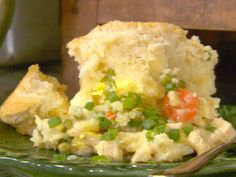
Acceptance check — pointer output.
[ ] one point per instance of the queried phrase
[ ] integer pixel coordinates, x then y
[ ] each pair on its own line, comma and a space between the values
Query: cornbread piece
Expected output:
36, 94
138, 53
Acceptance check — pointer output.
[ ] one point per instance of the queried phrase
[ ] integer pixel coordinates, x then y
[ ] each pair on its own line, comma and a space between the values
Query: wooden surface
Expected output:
77, 18
190, 14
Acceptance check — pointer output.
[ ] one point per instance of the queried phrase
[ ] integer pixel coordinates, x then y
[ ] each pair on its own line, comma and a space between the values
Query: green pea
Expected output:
54, 122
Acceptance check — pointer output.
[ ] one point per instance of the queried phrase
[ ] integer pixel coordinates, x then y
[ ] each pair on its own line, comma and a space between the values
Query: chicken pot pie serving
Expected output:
146, 94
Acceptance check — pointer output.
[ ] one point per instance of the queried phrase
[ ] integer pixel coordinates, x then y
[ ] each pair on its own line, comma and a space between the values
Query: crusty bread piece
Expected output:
139, 52
36, 94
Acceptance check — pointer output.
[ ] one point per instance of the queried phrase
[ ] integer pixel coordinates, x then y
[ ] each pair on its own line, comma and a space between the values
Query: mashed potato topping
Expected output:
145, 95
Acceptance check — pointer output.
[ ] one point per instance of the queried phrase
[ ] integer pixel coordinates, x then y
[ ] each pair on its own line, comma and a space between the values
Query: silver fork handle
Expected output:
194, 164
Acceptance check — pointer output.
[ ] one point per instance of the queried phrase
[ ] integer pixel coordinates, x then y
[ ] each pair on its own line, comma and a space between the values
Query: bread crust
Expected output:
119, 26
27, 100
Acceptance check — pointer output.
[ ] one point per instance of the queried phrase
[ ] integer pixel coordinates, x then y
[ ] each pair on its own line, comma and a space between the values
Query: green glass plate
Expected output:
18, 158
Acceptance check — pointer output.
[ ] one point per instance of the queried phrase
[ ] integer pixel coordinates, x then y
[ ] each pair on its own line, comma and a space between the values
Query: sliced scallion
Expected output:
148, 123
150, 135
174, 134
112, 97
128, 103
110, 134
149, 112
159, 129
104, 123
188, 129
137, 122
89, 105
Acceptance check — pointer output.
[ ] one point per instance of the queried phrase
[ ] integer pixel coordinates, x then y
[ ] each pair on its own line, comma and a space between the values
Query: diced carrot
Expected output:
187, 108
111, 115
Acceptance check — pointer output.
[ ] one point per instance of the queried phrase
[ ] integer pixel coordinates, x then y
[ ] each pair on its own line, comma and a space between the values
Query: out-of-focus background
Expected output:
36, 31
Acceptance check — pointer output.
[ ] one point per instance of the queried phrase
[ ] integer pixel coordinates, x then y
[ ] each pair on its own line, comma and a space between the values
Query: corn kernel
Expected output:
82, 136
100, 87
125, 85
97, 93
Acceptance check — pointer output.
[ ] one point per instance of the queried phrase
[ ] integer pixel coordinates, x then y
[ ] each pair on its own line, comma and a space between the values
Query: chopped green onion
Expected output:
59, 157
148, 123
68, 123
110, 72
154, 117
188, 129
104, 123
209, 56
54, 122
170, 86
148, 112
99, 158
174, 134
108, 77
150, 135
165, 80
159, 129
210, 128
89, 106
131, 94
110, 82
112, 97
137, 98
162, 120
110, 134
156, 130
137, 122
181, 84
105, 79
129, 103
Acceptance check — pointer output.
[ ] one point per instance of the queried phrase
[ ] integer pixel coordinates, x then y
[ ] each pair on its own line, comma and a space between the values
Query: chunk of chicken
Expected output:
110, 149
200, 140
166, 150
224, 131
143, 154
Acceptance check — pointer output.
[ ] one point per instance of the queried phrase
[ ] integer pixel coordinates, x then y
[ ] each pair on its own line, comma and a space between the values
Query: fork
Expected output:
194, 164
